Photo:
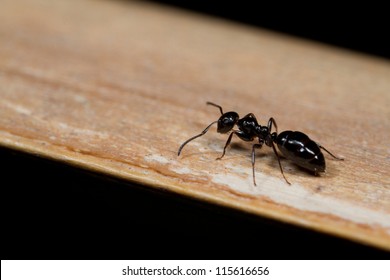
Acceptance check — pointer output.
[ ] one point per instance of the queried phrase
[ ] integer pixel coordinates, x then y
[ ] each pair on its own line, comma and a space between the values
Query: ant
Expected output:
294, 145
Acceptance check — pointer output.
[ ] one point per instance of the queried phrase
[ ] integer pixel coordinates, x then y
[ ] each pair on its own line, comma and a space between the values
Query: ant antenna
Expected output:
215, 105
196, 136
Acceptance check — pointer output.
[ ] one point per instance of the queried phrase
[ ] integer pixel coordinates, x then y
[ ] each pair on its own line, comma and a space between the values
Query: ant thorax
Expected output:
248, 125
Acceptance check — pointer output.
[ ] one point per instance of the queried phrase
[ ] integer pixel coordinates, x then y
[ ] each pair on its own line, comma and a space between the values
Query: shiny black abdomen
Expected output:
300, 149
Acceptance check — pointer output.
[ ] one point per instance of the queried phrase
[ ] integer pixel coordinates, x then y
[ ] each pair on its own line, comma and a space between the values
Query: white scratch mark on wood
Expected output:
157, 158
16, 107
294, 195
300, 198
182, 170
82, 131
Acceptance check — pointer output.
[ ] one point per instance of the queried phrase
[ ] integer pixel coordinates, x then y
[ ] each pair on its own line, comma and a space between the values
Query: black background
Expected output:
54, 211
360, 26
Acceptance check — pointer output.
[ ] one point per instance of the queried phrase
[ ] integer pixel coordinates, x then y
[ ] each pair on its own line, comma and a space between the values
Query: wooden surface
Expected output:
116, 87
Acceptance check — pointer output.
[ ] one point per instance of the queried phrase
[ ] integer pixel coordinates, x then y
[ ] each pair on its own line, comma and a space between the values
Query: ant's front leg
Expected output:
227, 144
241, 135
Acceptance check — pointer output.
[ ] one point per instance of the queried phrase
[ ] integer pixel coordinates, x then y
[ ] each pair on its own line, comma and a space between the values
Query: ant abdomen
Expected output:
301, 150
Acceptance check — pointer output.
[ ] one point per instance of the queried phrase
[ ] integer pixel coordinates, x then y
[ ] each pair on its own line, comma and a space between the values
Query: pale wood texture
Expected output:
116, 87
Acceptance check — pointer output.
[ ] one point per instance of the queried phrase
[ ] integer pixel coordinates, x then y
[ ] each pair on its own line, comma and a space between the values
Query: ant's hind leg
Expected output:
280, 165
330, 153
270, 123
255, 146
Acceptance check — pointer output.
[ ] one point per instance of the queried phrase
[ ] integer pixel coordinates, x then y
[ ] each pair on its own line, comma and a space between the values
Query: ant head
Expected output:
227, 121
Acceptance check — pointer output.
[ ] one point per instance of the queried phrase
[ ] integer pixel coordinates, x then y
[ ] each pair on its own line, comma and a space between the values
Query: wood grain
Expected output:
116, 87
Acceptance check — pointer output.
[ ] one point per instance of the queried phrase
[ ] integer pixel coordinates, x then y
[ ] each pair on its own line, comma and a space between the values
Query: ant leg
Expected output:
280, 165
330, 153
196, 136
270, 122
255, 146
227, 144
215, 105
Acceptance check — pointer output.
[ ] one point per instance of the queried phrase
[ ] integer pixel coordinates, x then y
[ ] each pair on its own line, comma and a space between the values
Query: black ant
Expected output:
294, 145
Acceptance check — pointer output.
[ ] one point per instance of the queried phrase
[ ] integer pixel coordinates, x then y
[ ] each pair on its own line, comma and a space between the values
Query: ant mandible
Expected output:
294, 145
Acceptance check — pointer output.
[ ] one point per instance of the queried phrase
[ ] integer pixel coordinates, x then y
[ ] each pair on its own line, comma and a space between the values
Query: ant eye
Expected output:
226, 121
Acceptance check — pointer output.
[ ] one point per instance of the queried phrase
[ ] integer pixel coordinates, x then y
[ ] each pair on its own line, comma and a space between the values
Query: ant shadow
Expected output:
290, 168
238, 147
